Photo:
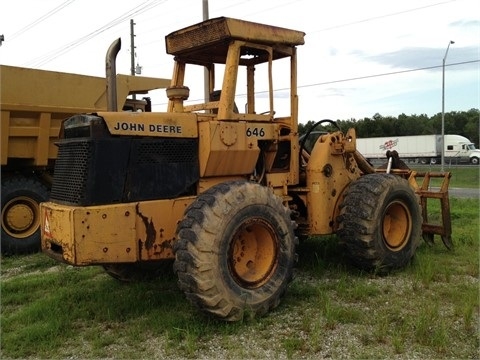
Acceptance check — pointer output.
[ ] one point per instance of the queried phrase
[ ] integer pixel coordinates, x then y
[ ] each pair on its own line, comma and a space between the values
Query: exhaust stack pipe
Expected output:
111, 74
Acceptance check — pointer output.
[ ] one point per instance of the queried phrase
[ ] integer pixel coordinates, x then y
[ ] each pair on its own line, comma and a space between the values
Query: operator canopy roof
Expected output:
208, 41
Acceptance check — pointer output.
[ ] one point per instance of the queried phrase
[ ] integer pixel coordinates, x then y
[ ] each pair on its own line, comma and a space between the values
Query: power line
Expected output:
41, 19
42, 60
359, 78
66, 48
381, 17
383, 74
308, 32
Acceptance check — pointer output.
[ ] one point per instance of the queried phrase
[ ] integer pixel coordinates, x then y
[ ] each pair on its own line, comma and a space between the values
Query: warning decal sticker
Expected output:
46, 227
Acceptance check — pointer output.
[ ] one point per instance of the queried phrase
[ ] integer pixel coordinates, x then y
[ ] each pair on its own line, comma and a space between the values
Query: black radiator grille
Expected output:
165, 152
71, 171
124, 169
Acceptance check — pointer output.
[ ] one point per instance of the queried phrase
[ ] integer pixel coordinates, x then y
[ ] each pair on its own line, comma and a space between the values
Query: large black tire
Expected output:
137, 272
21, 198
380, 222
235, 250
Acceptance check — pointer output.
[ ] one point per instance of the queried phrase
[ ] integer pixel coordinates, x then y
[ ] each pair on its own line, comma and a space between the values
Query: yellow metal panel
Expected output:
34, 102
277, 179
5, 126
57, 231
230, 148
129, 85
119, 233
156, 225
151, 124
22, 147
105, 234
329, 172
89, 235
139, 84
43, 140
217, 30
30, 135
52, 91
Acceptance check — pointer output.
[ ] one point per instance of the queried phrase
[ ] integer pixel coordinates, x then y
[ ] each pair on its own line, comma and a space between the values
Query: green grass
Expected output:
462, 176
42, 314
428, 310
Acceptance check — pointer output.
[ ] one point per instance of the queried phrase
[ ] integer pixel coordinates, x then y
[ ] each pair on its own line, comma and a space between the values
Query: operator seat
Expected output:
215, 96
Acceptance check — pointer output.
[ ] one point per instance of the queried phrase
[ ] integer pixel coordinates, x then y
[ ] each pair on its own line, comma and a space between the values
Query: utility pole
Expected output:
132, 51
2, 39
206, 77
132, 48
443, 104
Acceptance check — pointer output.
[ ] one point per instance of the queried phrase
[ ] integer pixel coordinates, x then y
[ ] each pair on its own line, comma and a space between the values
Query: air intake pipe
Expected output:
111, 74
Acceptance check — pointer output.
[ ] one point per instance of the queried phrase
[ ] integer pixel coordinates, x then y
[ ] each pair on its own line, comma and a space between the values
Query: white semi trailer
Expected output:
421, 148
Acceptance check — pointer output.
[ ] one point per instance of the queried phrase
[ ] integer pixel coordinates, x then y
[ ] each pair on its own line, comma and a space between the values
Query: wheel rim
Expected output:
397, 225
253, 253
20, 217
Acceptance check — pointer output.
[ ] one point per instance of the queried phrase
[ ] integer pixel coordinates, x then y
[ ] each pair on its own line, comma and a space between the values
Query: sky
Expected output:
360, 58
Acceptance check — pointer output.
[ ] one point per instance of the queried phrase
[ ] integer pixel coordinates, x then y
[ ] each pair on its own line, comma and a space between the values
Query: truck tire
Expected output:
474, 161
380, 222
21, 197
235, 250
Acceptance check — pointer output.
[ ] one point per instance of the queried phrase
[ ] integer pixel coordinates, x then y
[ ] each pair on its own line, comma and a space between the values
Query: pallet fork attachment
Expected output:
426, 192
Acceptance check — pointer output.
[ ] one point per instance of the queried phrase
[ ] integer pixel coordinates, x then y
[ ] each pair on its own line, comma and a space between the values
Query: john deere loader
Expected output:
220, 184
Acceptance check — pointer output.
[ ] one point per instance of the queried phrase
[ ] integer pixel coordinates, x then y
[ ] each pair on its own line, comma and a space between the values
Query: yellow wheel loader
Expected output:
220, 184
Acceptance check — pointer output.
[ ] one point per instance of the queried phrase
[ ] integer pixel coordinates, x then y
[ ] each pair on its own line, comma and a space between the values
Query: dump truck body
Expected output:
34, 102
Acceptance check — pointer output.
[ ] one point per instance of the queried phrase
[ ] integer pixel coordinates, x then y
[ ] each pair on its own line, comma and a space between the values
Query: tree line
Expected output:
465, 123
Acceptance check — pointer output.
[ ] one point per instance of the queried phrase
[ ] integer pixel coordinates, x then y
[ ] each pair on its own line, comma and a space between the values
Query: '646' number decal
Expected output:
255, 132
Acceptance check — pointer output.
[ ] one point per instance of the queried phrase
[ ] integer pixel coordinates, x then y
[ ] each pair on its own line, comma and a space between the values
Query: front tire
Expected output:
235, 250
380, 222
474, 161
21, 198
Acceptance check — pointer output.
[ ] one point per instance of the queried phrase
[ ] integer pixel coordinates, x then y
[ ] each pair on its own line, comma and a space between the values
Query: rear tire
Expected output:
21, 198
380, 222
235, 250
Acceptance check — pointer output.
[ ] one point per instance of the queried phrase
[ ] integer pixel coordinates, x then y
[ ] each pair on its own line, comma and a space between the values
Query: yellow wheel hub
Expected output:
397, 224
253, 254
20, 217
